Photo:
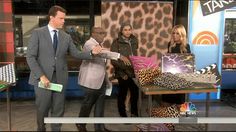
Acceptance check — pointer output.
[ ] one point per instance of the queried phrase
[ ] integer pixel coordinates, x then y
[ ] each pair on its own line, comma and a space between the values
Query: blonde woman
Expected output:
177, 44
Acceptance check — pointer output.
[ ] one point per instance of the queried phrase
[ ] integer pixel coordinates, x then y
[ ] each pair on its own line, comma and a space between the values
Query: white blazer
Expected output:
93, 72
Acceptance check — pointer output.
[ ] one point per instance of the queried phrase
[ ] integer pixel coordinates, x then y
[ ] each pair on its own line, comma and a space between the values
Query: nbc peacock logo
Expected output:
188, 108
205, 38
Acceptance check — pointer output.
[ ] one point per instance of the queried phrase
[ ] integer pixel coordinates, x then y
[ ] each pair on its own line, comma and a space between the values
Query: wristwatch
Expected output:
91, 52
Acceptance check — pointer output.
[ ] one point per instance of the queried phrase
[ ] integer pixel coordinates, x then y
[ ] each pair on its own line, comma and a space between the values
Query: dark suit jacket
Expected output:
43, 61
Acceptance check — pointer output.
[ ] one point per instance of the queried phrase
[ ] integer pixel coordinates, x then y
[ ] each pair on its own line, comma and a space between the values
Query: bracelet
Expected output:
91, 52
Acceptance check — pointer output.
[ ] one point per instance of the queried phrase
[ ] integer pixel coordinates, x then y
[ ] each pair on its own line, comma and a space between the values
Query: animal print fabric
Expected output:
171, 81
198, 78
146, 76
166, 111
152, 127
151, 21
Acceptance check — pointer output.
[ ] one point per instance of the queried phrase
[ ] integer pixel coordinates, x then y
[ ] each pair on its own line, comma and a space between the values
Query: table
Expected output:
150, 90
6, 87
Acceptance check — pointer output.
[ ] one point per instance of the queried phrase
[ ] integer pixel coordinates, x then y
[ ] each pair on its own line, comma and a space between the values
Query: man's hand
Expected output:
125, 60
125, 77
45, 81
96, 50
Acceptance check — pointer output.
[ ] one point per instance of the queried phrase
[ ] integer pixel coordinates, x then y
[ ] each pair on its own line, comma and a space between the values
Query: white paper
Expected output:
110, 55
109, 89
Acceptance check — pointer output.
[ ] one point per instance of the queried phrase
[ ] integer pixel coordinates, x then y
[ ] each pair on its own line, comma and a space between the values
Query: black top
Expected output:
176, 49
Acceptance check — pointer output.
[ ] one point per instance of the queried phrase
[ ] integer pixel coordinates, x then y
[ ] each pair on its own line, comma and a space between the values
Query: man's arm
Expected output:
114, 56
109, 55
32, 53
86, 54
31, 58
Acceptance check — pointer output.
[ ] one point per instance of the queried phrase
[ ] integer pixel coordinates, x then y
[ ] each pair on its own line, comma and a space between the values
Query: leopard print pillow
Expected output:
146, 76
170, 111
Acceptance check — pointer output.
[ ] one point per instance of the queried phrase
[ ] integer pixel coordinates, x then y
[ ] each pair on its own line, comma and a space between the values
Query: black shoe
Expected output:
106, 130
81, 128
127, 123
134, 115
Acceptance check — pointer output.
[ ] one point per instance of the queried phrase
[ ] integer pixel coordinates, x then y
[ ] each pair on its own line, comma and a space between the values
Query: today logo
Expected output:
205, 38
188, 108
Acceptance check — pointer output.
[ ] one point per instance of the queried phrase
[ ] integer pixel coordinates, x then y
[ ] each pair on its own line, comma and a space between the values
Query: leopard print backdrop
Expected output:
151, 21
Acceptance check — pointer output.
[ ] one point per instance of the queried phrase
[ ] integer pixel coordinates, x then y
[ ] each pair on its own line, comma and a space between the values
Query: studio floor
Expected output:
24, 115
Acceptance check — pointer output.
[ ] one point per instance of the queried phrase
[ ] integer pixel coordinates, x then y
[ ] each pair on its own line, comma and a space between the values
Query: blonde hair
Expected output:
183, 38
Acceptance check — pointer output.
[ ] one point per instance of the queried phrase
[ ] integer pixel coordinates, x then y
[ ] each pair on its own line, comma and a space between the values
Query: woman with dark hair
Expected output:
126, 44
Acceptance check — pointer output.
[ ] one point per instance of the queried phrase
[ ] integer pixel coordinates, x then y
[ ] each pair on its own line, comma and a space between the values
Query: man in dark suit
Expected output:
46, 57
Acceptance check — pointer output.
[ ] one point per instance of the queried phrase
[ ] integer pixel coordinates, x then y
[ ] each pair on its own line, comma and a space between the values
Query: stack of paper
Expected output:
52, 86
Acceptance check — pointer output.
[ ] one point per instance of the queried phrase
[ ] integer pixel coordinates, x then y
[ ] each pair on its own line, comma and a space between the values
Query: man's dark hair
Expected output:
53, 11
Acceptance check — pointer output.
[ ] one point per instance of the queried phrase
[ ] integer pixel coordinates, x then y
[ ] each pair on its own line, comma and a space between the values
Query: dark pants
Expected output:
124, 85
173, 98
47, 100
93, 97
